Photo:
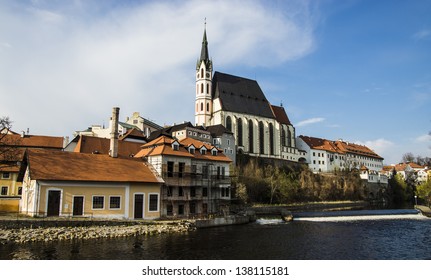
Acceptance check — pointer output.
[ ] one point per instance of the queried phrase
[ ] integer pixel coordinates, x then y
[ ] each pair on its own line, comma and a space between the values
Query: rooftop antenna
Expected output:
281, 103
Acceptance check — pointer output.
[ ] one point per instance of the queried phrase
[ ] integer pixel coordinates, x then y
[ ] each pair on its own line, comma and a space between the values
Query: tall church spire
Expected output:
203, 101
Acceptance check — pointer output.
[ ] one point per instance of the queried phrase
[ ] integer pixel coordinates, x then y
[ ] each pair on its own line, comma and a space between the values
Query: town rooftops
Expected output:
320, 144
339, 146
217, 130
187, 147
240, 95
68, 166
96, 145
33, 141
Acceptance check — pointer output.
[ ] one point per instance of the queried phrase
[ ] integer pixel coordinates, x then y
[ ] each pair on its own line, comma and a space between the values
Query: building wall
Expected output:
36, 197
9, 180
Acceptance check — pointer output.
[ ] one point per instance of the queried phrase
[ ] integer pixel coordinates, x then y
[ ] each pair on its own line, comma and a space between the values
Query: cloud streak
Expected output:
309, 122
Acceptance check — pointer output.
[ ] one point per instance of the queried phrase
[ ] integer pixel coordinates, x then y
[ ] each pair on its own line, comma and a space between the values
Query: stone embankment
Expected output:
23, 235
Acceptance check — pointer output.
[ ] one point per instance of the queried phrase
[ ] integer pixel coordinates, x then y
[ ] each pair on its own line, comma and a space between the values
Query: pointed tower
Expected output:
203, 101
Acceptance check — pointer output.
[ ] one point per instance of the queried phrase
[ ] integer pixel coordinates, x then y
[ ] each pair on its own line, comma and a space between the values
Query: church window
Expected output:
229, 123
250, 136
271, 139
202, 72
283, 136
208, 106
261, 138
202, 106
208, 88
202, 88
239, 132
289, 138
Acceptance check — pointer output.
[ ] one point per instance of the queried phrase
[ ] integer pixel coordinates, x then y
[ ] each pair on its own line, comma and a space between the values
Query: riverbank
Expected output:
425, 210
51, 233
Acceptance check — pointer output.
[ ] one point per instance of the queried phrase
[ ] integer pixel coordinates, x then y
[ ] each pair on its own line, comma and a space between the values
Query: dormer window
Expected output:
175, 146
214, 152
192, 149
203, 151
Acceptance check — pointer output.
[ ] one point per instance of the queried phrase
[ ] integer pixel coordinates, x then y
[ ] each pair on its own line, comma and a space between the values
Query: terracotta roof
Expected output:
134, 133
163, 146
280, 115
33, 141
321, 144
96, 145
348, 147
68, 166
339, 146
403, 166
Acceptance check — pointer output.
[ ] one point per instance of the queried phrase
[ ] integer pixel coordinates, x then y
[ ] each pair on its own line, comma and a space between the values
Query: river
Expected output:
395, 237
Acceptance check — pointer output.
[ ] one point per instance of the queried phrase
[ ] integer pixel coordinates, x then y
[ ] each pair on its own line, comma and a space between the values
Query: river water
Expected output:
396, 237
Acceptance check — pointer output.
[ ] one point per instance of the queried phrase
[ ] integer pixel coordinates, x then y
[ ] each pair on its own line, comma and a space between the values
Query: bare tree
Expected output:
8, 147
408, 157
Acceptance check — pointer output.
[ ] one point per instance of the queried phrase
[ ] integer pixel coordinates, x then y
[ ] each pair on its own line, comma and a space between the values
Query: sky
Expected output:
358, 70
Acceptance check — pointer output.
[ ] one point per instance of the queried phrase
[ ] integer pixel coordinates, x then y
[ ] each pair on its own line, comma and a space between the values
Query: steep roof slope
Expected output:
240, 95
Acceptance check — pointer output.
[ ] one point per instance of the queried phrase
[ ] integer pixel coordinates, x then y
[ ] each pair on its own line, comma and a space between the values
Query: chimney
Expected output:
113, 151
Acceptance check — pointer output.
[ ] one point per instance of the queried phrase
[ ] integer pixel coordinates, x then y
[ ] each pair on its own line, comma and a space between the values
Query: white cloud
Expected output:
309, 121
422, 34
426, 138
68, 67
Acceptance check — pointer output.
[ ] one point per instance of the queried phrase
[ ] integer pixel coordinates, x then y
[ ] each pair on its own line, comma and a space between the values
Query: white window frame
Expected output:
92, 202
149, 202
119, 208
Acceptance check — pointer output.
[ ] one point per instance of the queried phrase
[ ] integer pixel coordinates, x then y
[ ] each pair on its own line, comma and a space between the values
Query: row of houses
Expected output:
116, 178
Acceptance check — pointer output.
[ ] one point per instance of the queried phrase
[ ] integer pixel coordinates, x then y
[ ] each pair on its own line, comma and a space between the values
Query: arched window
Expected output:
202, 88
202, 106
271, 139
208, 88
239, 132
202, 72
283, 136
229, 123
289, 138
261, 138
250, 136
208, 106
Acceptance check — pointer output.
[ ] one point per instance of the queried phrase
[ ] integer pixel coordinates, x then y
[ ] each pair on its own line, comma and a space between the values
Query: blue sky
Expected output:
358, 70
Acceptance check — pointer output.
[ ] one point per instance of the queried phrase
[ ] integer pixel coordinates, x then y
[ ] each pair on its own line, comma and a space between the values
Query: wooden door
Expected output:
139, 206
78, 205
53, 203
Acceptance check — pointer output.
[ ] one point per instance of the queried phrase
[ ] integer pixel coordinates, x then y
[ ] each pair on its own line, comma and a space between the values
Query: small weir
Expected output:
350, 215
356, 215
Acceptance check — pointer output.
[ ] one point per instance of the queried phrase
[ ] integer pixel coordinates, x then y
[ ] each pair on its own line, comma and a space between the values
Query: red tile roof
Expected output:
339, 146
33, 141
69, 166
163, 146
96, 145
280, 115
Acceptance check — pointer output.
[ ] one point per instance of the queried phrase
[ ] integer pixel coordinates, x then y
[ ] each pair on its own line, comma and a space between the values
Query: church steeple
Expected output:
203, 101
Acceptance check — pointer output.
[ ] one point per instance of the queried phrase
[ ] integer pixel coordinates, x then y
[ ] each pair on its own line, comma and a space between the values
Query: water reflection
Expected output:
406, 237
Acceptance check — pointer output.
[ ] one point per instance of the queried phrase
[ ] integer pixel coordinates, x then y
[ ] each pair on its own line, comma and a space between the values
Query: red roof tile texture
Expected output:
69, 166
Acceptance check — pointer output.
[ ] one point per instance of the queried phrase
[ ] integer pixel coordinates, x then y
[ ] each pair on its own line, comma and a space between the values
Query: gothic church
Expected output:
238, 103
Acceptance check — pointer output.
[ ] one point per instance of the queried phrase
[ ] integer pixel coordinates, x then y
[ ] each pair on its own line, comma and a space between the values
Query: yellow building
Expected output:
89, 185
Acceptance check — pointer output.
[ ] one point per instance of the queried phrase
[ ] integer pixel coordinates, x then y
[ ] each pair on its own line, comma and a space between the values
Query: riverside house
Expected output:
196, 176
57, 183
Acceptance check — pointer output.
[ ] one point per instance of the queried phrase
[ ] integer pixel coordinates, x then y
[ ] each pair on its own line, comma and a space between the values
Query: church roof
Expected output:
280, 115
240, 95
